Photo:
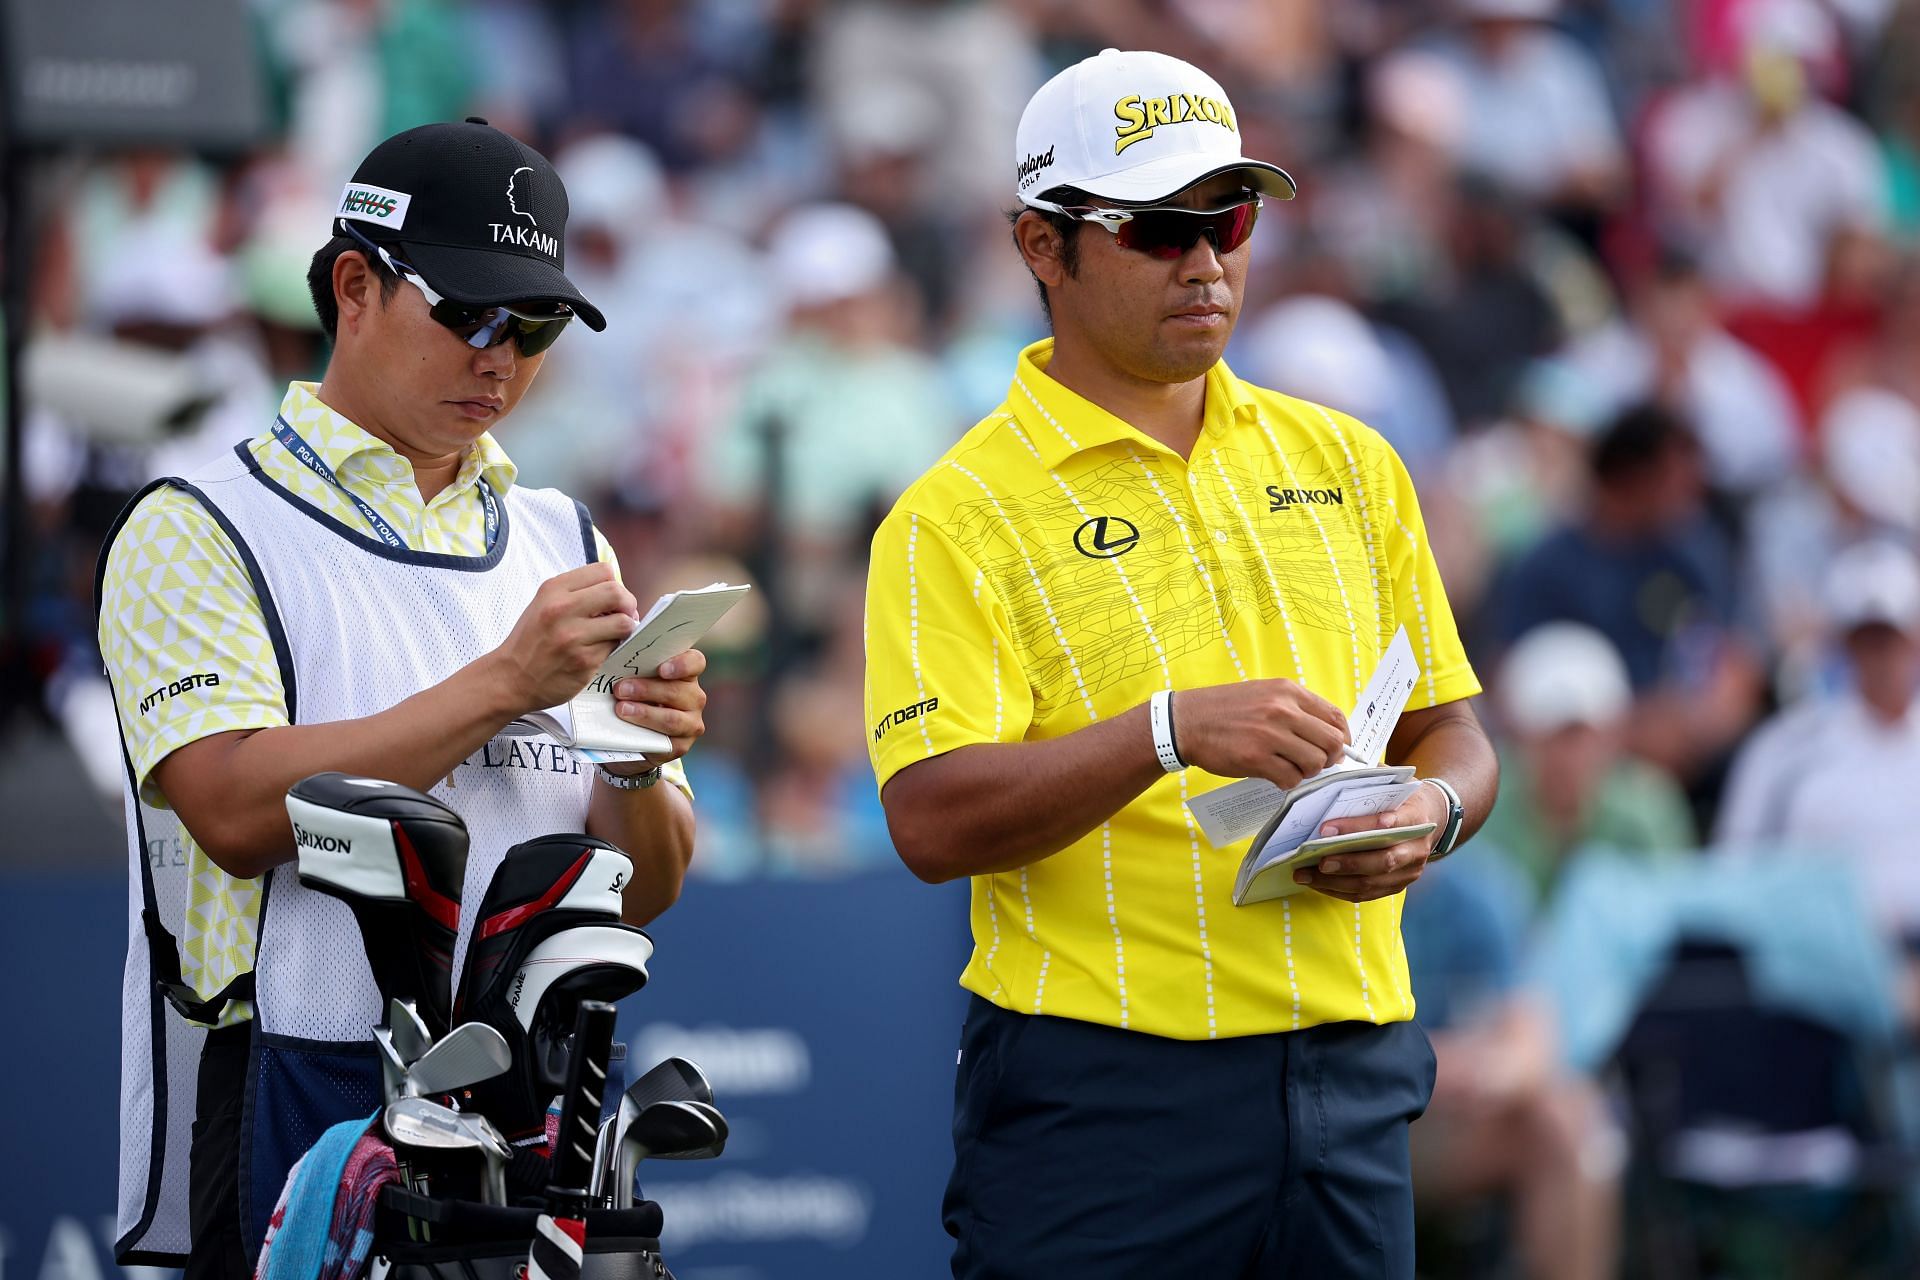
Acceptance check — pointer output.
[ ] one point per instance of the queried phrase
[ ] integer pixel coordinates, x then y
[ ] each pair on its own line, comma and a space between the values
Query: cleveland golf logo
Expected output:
305, 839
513, 202
1029, 170
1139, 116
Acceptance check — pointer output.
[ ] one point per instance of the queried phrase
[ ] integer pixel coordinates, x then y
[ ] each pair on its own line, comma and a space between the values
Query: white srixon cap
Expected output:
1134, 128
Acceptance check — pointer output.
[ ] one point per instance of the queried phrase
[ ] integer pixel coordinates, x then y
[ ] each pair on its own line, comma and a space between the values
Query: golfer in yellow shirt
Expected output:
1136, 580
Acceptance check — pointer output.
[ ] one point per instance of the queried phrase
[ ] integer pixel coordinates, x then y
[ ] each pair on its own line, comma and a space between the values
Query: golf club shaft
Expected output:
580, 1106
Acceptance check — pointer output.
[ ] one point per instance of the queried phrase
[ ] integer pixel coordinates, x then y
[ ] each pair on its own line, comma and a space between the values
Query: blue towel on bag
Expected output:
299, 1249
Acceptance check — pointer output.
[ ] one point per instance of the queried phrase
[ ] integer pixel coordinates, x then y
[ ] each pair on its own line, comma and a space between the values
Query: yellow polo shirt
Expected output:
176, 599
1057, 567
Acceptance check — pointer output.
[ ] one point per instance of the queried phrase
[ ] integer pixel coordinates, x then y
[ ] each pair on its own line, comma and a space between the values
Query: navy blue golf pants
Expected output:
1083, 1150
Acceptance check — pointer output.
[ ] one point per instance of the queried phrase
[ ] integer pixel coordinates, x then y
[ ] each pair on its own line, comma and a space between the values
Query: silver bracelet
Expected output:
629, 781
1160, 715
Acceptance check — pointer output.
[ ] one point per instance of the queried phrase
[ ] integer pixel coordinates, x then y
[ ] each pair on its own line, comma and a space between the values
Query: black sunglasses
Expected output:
480, 327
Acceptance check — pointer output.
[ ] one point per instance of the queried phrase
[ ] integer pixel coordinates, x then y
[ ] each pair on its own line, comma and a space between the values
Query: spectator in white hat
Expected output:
1865, 484
1538, 118
1759, 169
690, 310
1833, 775
840, 413
1568, 781
1383, 211
1669, 346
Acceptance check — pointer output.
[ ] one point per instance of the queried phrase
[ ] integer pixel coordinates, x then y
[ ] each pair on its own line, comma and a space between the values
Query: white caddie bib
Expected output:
358, 626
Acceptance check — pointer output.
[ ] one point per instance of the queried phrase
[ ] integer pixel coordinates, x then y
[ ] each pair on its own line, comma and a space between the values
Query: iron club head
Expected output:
667, 1130
435, 1133
393, 1067
470, 1053
410, 1035
670, 1080
707, 1151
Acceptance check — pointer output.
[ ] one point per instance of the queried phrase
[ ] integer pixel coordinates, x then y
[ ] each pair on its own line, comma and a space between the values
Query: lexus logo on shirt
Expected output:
1104, 537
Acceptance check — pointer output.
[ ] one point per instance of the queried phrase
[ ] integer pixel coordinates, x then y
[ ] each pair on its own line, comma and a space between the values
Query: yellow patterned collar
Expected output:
352, 450
1061, 422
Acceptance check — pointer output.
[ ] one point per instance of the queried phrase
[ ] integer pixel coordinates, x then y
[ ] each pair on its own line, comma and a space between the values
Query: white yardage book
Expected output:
1289, 840
1284, 823
587, 724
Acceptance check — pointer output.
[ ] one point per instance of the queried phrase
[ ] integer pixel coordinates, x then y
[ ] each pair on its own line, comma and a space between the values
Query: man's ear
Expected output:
356, 289
1042, 247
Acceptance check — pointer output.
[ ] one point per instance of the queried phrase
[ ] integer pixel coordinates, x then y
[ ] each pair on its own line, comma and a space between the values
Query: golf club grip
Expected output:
580, 1107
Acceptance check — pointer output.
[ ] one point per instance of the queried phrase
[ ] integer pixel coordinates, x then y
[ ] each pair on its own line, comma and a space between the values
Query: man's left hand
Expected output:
1379, 873
671, 703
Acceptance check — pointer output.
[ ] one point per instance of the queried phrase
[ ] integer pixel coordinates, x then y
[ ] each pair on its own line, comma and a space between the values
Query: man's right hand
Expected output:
1272, 729
572, 623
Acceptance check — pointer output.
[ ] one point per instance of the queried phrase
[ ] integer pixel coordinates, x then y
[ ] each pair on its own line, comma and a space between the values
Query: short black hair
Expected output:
1637, 440
1068, 229
320, 280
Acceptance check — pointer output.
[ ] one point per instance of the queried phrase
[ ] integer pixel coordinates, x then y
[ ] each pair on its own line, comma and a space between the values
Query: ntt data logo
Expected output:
173, 689
895, 719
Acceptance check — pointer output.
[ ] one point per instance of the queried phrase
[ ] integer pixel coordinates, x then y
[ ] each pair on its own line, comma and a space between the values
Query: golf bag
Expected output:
428, 1239
397, 857
546, 938
532, 1018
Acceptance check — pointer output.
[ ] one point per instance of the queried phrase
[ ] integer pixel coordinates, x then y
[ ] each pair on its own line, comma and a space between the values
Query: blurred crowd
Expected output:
1632, 285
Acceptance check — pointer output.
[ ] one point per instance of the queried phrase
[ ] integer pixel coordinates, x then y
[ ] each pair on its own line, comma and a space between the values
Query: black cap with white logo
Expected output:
478, 213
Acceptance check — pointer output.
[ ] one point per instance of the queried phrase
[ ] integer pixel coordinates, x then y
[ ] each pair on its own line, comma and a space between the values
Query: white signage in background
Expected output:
738, 1060
739, 1207
181, 73
70, 1254
107, 1234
